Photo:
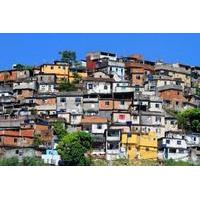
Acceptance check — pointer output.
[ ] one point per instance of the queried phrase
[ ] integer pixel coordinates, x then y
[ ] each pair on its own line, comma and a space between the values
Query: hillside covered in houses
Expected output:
104, 107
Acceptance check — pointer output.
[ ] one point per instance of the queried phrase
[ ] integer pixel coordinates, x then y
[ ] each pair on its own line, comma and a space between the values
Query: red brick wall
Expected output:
8, 76
103, 106
173, 96
48, 101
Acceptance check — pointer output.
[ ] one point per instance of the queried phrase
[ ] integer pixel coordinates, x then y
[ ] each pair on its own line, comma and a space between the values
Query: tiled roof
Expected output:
98, 79
94, 120
170, 87
171, 68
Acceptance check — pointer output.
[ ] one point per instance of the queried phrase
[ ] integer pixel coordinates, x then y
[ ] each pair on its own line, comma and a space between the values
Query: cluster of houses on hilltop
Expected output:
123, 102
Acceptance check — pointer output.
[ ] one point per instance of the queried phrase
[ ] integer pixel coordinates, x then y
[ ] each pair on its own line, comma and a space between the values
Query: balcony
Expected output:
90, 100
24, 85
120, 89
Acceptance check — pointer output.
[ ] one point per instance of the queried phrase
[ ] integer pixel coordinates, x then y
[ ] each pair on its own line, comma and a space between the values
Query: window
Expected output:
78, 100
78, 104
52, 67
105, 87
63, 67
90, 86
122, 102
179, 142
172, 150
121, 117
15, 140
181, 151
99, 126
147, 148
137, 88
195, 138
122, 71
17, 151
113, 145
74, 117
177, 103
63, 100
167, 141
19, 91
165, 82
172, 122
178, 93
157, 105
0, 140
107, 103
158, 119
138, 77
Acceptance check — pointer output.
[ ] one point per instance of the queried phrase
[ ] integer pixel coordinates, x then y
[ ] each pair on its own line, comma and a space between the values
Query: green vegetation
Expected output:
171, 162
26, 161
198, 91
29, 161
37, 140
189, 119
66, 86
73, 148
99, 162
9, 162
68, 57
23, 67
126, 162
77, 78
59, 129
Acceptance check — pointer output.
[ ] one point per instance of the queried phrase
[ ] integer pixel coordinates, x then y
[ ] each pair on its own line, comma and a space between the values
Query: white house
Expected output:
98, 85
173, 146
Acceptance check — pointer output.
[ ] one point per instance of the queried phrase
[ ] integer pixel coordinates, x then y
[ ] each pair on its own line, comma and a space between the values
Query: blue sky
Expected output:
35, 49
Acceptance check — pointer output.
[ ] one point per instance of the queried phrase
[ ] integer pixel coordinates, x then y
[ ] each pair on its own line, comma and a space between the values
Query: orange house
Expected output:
172, 96
45, 100
137, 71
24, 136
8, 76
122, 104
106, 104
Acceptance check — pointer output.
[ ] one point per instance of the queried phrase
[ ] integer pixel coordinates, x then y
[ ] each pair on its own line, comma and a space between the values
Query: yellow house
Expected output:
61, 71
140, 146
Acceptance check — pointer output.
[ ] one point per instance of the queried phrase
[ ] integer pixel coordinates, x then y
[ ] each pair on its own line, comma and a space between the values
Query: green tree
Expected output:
198, 91
37, 141
171, 162
73, 148
22, 67
68, 57
77, 78
189, 119
59, 130
9, 162
66, 86
32, 161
